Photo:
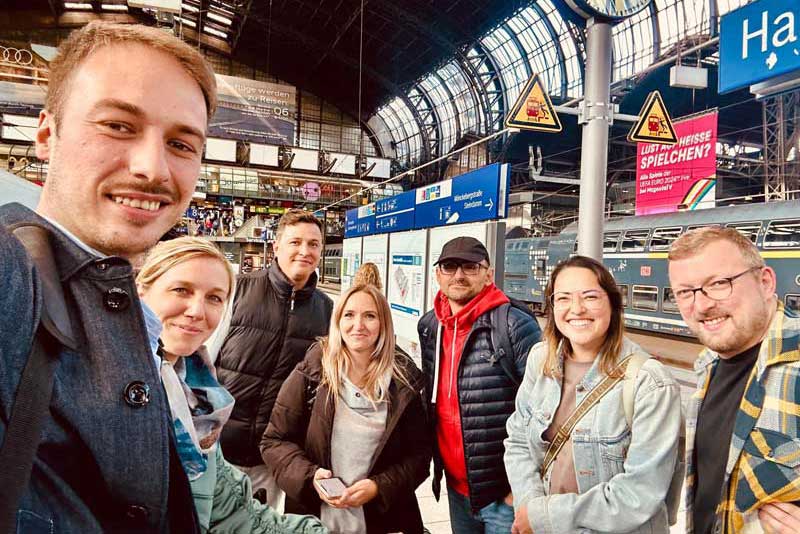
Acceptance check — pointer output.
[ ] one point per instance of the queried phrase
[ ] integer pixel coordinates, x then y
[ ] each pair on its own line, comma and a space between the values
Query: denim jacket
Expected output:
623, 474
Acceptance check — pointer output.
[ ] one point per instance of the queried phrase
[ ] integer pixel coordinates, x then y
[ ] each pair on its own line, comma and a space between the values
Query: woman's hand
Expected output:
779, 518
359, 493
321, 473
521, 524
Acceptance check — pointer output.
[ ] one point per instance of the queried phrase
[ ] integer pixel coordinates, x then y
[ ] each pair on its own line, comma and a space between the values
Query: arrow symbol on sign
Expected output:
489, 204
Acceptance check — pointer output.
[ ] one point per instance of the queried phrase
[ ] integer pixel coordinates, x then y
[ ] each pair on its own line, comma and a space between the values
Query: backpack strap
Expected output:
635, 363
32, 399
502, 344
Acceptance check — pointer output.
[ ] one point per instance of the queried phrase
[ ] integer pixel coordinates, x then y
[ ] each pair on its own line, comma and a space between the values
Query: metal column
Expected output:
594, 145
781, 131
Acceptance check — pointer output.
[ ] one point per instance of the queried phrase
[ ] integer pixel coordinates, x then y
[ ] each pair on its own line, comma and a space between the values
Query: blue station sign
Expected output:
395, 214
360, 221
757, 42
478, 195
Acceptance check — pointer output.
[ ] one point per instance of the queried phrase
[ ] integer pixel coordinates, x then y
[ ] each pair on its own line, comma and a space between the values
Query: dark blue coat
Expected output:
103, 465
486, 397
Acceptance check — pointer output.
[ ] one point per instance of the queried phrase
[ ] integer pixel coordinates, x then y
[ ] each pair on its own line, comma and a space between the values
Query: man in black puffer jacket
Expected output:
277, 314
471, 390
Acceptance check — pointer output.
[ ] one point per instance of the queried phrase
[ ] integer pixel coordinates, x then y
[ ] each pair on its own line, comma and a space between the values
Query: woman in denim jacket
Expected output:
608, 477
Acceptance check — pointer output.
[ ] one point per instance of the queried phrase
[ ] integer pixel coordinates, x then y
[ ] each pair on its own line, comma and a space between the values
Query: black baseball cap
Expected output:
463, 249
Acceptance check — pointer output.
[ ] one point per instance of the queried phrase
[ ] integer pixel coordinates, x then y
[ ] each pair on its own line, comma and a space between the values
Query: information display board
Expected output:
437, 237
395, 214
351, 260
375, 250
360, 221
406, 286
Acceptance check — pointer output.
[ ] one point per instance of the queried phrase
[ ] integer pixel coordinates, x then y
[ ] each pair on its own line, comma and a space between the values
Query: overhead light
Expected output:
114, 7
218, 18
77, 5
218, 33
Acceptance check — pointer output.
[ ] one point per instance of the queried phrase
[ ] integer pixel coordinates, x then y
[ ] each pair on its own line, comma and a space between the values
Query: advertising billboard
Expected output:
250, 110
681, 176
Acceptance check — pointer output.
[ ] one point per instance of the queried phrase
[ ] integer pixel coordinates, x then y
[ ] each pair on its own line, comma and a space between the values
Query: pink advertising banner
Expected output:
682, 176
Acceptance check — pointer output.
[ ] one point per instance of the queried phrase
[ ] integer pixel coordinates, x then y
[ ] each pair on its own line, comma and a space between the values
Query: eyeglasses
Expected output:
718, 289
591, 300
469, 268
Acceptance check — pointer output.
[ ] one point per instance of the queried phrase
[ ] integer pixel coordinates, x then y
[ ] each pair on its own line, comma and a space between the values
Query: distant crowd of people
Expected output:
177, 397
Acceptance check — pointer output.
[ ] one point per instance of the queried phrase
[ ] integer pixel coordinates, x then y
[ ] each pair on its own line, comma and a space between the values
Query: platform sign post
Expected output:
478, 195
757, 42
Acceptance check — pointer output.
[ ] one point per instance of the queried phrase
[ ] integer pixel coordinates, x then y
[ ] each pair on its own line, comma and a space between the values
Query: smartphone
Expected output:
331, 487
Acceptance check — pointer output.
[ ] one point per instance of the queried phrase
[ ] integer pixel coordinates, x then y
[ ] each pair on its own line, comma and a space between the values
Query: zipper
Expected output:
453, 357
291, 301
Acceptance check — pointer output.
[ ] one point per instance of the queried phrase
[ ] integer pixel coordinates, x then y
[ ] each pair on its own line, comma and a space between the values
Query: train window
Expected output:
663, 237
749, 230
623, 288
783, 234
634, 240
668, 302
645, 298
610, 241
540, 267
792, 302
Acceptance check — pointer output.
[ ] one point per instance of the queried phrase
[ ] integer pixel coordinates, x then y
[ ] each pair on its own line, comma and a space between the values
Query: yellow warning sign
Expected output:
654, 124
533, 109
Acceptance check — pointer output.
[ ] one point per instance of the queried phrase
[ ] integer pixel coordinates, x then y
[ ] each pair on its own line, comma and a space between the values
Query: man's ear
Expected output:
44, 134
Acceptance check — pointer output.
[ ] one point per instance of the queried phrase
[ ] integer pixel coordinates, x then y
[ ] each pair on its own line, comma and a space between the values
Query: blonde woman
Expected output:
610, 475
188, 284
351, 415
368, 274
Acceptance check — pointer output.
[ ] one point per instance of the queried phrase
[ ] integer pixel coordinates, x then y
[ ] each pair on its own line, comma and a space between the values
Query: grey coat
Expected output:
103, 464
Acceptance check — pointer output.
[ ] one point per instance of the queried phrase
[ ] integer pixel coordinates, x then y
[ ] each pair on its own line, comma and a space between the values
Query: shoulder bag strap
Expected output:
35, 388
594, 396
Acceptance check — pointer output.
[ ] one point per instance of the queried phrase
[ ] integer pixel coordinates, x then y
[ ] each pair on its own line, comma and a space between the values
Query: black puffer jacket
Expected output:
271, 328
486, 397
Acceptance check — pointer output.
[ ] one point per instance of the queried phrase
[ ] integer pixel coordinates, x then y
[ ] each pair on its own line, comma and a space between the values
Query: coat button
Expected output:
117, 299
136, 513
137, 394
102, 266
580, 388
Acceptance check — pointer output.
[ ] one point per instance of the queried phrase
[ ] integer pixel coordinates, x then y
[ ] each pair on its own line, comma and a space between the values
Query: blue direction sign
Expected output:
757, 42
395, 214
478, 195
360, 221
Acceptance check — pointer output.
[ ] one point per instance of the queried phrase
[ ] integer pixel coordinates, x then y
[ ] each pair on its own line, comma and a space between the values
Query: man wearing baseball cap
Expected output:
475, 345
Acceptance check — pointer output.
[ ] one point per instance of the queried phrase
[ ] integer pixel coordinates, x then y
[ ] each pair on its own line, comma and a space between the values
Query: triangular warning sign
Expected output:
654, 124
533, 109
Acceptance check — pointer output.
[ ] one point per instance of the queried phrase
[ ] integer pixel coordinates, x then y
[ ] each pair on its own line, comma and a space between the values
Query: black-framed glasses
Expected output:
467, 267
717, 289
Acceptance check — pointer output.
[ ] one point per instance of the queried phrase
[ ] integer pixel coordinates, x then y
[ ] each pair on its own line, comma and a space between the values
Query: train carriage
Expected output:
635, 251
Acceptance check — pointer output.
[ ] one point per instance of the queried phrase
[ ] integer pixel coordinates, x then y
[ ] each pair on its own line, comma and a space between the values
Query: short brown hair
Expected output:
83, 42
295, 216
612, 346
694, 241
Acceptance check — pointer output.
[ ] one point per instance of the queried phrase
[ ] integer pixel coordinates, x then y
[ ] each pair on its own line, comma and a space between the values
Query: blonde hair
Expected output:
368, 274
336, 359
694, 241
557, 343
167, 254
83, 42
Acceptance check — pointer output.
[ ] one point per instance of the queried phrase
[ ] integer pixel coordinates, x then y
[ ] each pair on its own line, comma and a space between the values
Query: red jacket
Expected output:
455, 329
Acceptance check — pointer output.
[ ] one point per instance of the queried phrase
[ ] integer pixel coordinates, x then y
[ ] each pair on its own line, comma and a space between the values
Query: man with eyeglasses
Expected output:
743, 426
472, 384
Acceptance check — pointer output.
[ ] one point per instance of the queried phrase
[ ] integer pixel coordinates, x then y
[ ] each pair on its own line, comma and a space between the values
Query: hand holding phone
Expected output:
332, 487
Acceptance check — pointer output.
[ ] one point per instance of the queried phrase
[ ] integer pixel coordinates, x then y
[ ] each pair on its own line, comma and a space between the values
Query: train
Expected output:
635, 251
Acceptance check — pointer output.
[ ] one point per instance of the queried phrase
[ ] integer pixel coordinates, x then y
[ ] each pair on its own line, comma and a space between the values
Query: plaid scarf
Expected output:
200, 407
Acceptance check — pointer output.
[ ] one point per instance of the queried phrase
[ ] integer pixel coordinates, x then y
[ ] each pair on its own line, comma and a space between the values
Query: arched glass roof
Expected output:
469, 93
